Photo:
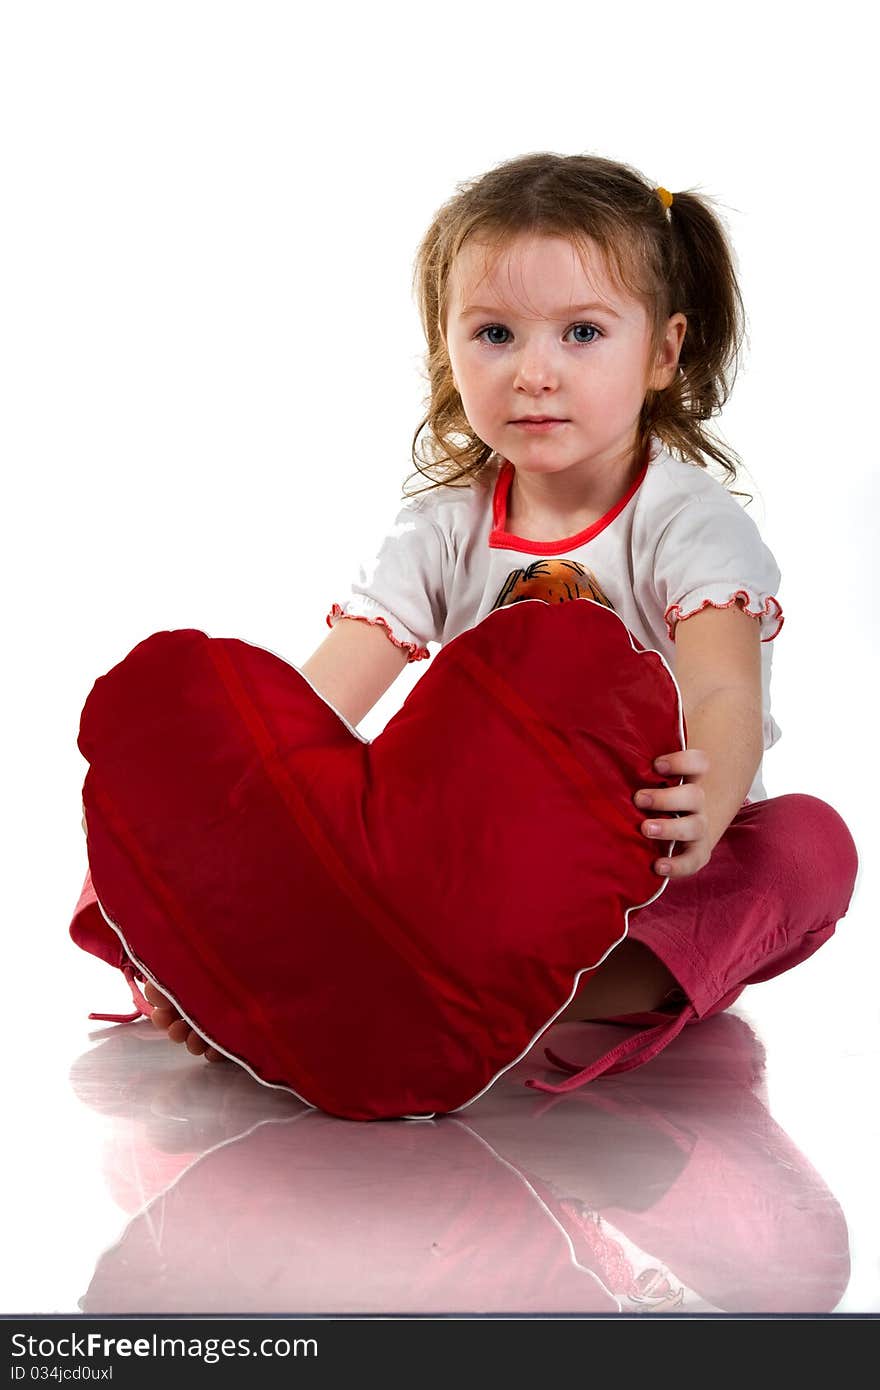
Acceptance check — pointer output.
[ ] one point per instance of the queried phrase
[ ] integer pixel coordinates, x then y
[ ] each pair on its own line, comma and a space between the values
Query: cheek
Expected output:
477, 381
615, 380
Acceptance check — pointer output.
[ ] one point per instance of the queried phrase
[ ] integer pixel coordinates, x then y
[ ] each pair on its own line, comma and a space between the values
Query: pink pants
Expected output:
779, 879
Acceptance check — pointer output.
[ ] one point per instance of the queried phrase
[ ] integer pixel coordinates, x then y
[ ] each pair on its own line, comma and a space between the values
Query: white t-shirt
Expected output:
676, 541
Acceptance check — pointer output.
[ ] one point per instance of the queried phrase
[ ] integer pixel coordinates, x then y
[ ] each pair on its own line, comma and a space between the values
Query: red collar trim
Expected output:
502, 539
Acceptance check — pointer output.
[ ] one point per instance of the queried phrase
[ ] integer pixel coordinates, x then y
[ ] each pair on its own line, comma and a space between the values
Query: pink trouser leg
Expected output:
779, 879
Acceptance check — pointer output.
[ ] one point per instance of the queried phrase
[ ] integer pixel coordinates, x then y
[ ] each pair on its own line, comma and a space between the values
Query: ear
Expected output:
666, 364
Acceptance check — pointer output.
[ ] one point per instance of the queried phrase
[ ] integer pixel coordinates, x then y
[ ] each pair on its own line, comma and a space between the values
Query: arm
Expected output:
354, 666
718, 672
727, 727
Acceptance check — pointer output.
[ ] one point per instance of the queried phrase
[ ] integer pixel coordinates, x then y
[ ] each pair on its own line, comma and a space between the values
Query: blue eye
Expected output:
592, 328
583, 342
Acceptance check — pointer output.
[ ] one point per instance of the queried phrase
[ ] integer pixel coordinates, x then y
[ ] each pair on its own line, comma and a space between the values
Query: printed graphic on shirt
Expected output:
554, 581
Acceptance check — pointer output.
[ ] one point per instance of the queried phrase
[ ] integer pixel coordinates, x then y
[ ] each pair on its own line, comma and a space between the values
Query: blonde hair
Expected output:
675, 260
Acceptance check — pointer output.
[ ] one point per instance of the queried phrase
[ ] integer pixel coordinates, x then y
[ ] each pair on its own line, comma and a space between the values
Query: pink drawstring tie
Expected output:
632, 1052
142, 1008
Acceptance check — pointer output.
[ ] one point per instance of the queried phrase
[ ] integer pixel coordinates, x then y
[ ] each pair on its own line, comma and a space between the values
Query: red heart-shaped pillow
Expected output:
384, 926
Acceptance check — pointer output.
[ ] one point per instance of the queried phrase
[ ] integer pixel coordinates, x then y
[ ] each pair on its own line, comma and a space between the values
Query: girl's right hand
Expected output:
85, 832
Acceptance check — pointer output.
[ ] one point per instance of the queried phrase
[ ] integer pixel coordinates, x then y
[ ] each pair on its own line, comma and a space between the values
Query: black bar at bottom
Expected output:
276, 1350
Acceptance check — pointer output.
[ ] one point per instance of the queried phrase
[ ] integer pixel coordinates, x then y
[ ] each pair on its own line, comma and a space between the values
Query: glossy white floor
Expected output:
737, 1172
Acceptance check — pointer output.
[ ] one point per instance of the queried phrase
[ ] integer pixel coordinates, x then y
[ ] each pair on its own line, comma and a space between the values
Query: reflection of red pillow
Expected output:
434, 893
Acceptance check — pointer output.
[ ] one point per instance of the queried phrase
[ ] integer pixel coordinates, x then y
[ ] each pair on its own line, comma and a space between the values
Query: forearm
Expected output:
727, 726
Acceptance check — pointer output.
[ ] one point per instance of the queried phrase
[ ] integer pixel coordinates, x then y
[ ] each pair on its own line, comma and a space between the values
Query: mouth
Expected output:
539, 422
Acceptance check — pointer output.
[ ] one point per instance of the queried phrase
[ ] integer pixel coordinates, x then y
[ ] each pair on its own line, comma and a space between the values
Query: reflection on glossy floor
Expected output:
670, 1188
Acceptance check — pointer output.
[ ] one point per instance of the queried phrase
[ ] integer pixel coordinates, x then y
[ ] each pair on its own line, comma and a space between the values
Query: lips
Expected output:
538, 426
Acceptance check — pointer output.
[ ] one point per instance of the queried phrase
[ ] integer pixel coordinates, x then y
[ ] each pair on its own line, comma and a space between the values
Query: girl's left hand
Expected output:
691, 825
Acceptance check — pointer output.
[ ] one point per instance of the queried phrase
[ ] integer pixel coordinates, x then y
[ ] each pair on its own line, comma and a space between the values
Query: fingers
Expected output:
685, 864
683, 807
682, 828
688, 798
684, 762
687, 860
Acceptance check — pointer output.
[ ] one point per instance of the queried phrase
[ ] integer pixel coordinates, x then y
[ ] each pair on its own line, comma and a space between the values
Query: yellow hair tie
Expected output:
665, 196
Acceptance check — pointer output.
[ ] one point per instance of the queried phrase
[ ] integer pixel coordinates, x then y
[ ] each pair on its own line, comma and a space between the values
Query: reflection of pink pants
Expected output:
779, 879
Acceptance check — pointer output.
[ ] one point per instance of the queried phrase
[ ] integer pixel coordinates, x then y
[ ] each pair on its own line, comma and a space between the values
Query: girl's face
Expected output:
538, 336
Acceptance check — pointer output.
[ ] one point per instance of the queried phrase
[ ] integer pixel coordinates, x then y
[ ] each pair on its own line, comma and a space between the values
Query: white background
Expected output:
211, 364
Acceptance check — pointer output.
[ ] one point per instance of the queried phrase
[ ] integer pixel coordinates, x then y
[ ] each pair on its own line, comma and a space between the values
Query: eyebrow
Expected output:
574, 309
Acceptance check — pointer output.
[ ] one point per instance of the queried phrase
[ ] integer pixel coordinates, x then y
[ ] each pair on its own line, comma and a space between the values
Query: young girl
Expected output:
580, 325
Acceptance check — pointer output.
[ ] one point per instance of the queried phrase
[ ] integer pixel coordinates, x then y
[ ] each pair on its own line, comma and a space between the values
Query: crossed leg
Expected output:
633, 980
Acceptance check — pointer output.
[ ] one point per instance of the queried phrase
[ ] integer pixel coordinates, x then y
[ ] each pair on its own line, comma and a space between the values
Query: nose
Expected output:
536, 369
